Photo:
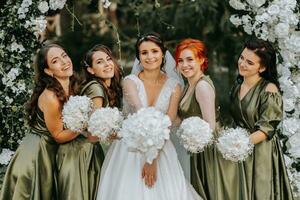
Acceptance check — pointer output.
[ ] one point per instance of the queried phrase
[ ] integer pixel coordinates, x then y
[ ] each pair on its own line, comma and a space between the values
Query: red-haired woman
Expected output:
198, 100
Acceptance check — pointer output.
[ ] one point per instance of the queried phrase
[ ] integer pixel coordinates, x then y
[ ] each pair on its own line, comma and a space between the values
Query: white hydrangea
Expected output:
57, 4
104, 121
146, 131
43, 7
195, 134
5, 156
76, 112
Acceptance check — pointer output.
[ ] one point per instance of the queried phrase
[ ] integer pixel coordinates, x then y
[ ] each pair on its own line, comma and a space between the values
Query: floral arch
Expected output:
23, 21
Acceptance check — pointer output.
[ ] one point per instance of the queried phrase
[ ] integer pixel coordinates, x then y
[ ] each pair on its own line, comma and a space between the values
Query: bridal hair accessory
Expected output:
169, 67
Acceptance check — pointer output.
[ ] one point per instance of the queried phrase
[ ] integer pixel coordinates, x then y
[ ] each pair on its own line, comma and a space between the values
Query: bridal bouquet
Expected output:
235, 144
105, 121
146, 131
195, 134
76, 112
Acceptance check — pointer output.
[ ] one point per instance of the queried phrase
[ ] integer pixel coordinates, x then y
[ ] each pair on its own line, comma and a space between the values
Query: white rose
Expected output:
235, 20
237, 5
256, 3
282, 30
43, 7
273, 9
263, 17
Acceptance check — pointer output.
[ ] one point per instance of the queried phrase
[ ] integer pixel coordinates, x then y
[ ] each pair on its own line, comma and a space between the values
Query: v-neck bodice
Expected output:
163, 99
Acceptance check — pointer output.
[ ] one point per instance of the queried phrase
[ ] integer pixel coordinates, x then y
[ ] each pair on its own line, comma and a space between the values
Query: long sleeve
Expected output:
132, 102
205, 96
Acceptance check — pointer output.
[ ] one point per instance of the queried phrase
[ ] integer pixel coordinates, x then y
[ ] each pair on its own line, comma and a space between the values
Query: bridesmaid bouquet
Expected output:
105, 121
195, 134
146, 131
76, 112
235, 144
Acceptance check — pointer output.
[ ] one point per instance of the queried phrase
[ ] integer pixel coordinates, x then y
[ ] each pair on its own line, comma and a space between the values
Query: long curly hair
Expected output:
114, 91
43, 81
267, 55
197, 47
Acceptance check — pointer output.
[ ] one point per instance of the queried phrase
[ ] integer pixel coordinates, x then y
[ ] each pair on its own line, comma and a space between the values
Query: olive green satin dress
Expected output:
203, 164
79, 161
30, 174
263, 175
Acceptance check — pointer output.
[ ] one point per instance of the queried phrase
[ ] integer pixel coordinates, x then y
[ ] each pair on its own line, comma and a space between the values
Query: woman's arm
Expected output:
205, 96
50, 105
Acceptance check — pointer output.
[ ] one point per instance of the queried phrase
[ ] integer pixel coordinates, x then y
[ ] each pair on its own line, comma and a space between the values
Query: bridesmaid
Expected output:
257, 106
198, 100
79, 161
30, 174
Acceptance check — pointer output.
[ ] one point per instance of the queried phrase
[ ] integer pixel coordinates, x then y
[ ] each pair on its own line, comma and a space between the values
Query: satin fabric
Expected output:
263, 174
79, 161
31, 172
204, 164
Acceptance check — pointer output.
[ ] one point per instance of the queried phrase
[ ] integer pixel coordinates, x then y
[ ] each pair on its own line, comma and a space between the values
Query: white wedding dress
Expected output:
121, 174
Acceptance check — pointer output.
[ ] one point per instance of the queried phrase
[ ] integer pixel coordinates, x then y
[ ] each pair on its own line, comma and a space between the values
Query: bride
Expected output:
125, 175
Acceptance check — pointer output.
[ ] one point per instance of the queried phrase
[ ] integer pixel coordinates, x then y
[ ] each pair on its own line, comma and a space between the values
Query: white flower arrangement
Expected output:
195, 134
277, 21
146, 131
76, 113
105, 121
235, 144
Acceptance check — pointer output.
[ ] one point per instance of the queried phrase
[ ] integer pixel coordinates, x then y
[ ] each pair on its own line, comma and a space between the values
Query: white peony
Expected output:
146, 131
195, 134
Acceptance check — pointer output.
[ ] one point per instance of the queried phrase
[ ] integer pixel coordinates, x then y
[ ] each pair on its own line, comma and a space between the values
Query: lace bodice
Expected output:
135, 96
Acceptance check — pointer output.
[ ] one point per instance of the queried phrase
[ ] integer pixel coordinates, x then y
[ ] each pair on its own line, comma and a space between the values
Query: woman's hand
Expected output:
149, 173
92, 139
113, 136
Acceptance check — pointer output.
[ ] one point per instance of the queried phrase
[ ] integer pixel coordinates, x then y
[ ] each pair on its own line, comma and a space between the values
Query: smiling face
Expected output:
249, 64
59, 63
102, 65
151, 55
189, 65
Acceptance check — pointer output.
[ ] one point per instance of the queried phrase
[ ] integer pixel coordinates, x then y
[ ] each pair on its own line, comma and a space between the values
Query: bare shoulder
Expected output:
48, 99
271, 87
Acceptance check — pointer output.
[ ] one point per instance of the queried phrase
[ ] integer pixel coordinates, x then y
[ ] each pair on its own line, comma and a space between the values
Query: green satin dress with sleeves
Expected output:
79, 161
203, 164
263, 174
30, 174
